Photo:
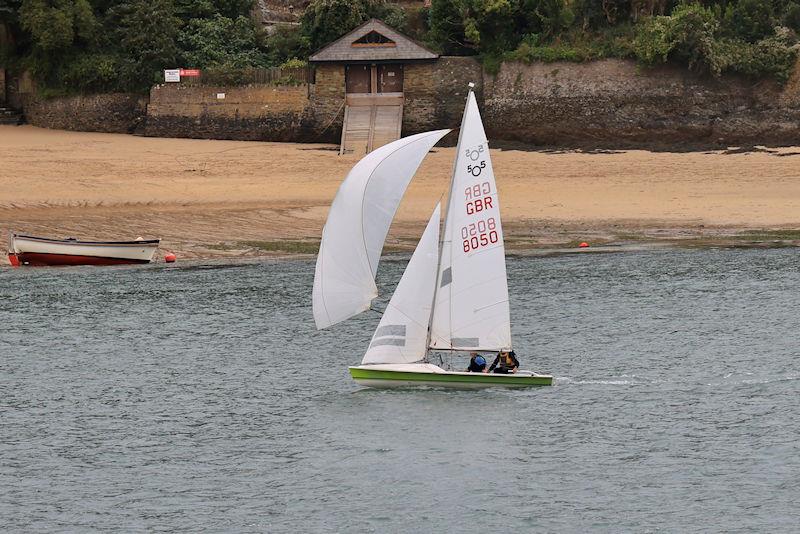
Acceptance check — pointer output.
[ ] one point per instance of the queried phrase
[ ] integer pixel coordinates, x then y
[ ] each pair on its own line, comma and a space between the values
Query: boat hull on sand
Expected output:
38, 251
429, 375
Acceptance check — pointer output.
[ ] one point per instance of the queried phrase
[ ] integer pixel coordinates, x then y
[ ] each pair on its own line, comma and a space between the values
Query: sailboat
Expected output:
453, 295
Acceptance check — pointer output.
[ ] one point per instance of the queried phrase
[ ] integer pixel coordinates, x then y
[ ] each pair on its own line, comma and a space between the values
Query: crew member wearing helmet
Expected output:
505, 363
477, 363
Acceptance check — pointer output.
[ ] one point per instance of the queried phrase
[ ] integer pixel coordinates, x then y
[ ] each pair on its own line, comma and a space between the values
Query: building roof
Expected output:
373, 41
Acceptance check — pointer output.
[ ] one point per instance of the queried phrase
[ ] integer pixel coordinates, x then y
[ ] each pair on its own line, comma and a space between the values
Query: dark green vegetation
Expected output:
122, 45
757, 38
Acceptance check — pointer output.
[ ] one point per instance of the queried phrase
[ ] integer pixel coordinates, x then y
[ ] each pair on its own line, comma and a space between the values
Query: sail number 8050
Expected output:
479, 234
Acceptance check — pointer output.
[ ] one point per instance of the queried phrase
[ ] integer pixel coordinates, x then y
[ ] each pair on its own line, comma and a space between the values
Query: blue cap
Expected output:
479, 360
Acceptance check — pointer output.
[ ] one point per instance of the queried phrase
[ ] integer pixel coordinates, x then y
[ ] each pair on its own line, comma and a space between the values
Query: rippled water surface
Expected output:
200, 398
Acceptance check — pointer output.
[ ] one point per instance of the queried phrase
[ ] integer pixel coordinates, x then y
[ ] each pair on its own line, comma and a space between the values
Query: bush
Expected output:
145, 33
769, 57
225, 74
686, 35
692, 35
791, 16
324, 21
285, 42
92, 73
493, 27
596, 14
577, 46
752, 20
221, 41
294, 63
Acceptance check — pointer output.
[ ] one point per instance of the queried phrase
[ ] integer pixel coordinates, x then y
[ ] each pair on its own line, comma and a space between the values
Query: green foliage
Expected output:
772, 56
326, 20
294, 63
9, 11
692, 34
58, 25
225, 74
687, 35
492, 27
91, 73
221, 41
791, 16
752, 20
123, 45
578, 46
285, 42
10, 31
146, 36
447, 26
198, 9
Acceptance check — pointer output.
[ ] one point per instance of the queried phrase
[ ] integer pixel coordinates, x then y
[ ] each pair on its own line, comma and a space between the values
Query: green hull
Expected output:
399, 379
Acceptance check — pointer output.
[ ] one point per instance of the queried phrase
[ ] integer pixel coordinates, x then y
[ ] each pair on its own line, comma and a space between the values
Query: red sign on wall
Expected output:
190, 73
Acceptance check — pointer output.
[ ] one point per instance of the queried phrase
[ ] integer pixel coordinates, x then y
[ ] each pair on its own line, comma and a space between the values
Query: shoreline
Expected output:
238, 199
400, 247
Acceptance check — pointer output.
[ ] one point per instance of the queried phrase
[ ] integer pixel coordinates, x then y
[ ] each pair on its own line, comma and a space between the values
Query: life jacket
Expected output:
507, 362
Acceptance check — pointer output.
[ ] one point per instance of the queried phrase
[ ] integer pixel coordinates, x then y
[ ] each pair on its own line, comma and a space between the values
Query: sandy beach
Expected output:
231, 198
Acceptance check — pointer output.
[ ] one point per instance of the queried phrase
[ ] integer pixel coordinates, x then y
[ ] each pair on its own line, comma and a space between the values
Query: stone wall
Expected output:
253, 112
616, 103
110, 113
435, 92
327, 103
610, 103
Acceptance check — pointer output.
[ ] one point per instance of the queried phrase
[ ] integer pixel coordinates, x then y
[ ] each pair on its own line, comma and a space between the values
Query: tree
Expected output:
285, 43
326, 20
145, 33
446, 19
10, 30
493, 26
57, 25
221, 41
753, 20
195, 9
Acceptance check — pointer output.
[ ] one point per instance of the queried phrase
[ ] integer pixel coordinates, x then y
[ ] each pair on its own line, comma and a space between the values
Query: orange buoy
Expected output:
584, 245
14, 260
169, 257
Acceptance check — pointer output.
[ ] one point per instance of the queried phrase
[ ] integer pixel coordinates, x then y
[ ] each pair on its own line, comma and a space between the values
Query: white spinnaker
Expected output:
358, 221
402, 333
471, 309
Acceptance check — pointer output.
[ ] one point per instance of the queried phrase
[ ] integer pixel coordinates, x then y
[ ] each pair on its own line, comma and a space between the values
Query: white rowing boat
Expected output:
32, 250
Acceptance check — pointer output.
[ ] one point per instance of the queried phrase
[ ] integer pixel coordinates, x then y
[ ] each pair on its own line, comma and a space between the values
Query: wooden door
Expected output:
357, 78
390, 78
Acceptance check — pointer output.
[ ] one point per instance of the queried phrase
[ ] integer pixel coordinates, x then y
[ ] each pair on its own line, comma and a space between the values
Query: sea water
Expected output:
200, 398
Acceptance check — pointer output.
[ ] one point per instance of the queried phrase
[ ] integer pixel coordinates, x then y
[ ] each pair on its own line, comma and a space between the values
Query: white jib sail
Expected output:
402, 334
471, 309
358, 221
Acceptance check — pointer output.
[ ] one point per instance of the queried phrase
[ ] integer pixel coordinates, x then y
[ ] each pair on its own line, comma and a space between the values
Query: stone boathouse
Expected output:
371, 62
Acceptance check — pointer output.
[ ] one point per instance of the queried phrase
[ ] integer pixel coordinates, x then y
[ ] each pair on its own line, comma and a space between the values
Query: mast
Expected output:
445, 229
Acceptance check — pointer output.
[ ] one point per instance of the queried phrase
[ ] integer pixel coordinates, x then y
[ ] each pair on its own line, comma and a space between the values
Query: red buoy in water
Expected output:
14, 260
169, 257
584, 245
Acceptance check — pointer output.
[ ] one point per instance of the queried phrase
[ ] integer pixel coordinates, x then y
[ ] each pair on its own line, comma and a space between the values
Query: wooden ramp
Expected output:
371, 121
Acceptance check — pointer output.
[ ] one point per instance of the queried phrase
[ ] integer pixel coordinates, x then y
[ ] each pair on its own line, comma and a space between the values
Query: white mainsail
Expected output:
358, 221
402, 334
471, 310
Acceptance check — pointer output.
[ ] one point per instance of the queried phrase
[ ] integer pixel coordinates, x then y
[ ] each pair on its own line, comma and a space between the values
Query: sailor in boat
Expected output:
477, 363
505, 363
